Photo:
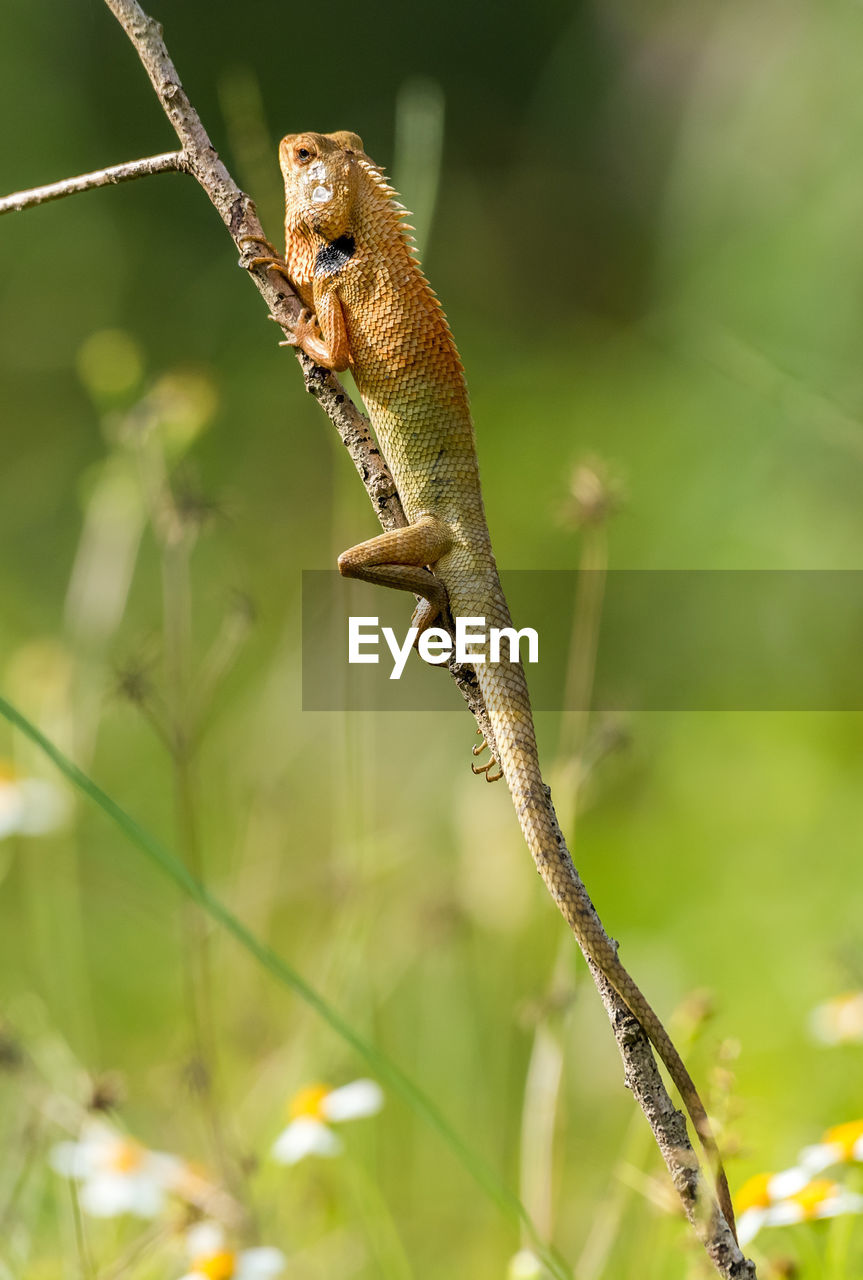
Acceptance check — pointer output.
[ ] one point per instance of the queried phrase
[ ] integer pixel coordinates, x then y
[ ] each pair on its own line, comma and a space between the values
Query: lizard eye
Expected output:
303, 154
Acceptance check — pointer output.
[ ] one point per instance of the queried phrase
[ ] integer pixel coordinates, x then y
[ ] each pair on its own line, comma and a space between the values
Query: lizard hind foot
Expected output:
488, 769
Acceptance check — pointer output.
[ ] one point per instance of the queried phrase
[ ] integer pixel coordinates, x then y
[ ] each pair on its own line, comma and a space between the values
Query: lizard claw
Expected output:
478, 750
487, 769
306, 327
273, 260
268, 244
272, 264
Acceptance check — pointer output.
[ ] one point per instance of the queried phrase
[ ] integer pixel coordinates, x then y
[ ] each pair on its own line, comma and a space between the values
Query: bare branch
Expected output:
168, 162
238, 214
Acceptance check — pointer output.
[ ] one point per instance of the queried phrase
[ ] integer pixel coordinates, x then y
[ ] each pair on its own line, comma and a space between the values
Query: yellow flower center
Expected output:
754, 1194
216, 1266
845, 1136
810, 1197
308, 1103
124, 1157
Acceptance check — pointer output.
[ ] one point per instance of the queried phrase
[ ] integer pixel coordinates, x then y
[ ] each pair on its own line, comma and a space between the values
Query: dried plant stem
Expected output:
584, 640
203, 1072
541, 1098
175, 539
544, 1074
85, 1261
605, 1227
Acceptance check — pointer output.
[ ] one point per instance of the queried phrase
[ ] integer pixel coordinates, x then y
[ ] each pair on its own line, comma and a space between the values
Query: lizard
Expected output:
368, 307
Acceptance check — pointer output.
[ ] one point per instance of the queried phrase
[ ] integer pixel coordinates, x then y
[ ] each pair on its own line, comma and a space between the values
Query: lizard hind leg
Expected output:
399, 559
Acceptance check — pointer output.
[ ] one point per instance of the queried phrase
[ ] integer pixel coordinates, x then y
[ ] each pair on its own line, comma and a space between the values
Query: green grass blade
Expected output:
383, 1066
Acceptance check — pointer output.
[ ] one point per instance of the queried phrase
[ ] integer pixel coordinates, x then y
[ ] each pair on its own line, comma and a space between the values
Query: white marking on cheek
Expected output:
322, 195
317, 170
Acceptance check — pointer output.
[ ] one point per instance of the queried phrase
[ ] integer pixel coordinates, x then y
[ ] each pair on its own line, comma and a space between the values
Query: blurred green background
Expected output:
647, 239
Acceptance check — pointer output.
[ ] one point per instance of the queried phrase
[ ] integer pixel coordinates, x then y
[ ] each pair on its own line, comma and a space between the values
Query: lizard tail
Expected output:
504, 690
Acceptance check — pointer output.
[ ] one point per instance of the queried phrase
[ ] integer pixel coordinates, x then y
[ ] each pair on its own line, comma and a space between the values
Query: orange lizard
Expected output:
370, 309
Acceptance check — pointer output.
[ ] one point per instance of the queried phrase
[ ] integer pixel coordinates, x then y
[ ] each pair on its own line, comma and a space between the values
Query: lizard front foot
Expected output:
305, 330
273, 254
273, 260
306, 334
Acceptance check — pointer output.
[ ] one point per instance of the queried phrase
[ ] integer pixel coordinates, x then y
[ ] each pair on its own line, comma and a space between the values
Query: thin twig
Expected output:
168, 162
238, 213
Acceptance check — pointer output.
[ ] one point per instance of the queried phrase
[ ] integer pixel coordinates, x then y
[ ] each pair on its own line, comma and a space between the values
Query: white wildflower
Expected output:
212, 1259
117, 1174
314, 1109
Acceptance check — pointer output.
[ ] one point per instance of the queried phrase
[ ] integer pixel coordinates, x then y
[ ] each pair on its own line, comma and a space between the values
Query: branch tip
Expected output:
168, 162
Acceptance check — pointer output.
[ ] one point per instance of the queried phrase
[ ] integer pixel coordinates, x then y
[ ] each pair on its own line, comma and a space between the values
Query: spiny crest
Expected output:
391, 203
393, 208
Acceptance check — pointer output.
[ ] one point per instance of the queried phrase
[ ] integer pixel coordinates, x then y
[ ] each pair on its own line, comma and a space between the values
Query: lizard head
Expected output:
320, 173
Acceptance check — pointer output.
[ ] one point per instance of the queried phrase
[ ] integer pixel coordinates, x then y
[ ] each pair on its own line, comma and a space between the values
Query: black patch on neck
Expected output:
333, 256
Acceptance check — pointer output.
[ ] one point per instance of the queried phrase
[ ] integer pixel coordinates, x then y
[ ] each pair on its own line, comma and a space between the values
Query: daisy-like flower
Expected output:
820, 1198
117, 1174
755, 1197
838, 1021
28, 806
761, 1205
314, 1109
843, 1144
212, 1259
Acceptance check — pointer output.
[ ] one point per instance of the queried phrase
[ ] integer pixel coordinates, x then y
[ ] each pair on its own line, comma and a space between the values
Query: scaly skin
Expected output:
372, 310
